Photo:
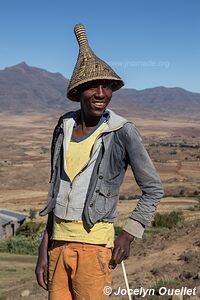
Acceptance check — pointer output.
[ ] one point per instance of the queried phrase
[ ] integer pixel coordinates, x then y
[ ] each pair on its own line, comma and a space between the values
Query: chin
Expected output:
97, 113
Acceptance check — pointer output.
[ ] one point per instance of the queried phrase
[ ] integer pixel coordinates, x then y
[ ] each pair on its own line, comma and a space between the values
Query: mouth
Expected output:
99, 105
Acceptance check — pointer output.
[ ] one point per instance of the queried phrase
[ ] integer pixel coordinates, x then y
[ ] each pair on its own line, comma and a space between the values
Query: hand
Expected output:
121, 248
41, 269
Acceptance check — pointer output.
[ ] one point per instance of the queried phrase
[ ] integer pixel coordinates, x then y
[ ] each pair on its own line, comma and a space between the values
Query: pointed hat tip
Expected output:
80, 32
79, 25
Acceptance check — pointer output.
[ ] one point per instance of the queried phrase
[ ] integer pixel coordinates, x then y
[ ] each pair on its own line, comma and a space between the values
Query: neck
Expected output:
85, 125
89, 121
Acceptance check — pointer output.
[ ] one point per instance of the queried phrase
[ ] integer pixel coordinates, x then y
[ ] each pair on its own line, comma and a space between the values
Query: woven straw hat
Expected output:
89, 67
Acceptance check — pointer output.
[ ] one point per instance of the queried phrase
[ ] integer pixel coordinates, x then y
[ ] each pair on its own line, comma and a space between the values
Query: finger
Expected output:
45, 276
40, 280
112, 265
115, 253
126, 255
121, 256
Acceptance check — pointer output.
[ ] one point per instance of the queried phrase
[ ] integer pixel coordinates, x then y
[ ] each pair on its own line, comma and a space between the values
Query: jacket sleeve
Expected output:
146, 177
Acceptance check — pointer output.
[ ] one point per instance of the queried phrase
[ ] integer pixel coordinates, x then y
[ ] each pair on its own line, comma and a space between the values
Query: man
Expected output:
91, 149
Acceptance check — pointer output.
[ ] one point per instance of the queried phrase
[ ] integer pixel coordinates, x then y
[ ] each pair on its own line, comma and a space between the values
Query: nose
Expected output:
99, 92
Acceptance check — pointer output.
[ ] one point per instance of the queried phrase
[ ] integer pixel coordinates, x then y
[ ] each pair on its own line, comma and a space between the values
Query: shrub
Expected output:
191, 208
172, 283
155, 271
122, 197
173, 152
30, 229
32, 213
195, 208
196, 193
168, 220
20, 245
131, 197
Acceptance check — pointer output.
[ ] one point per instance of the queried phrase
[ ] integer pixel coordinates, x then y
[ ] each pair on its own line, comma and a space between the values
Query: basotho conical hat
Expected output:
89, 67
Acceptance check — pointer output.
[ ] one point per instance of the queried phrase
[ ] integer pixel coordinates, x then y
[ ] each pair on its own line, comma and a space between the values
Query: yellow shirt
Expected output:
78, 155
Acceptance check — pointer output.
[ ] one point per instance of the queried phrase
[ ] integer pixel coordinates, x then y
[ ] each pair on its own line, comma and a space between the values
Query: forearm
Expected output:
152, 192
146, 177
46, 239
146, 206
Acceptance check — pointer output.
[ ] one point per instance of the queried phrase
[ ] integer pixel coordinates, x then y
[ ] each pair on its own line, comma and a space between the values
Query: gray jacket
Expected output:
118, 146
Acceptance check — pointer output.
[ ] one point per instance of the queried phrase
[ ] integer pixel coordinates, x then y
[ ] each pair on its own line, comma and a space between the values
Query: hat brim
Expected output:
74, 93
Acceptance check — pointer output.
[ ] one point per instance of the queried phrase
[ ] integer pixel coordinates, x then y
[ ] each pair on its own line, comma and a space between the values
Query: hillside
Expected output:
161, 100
25, 88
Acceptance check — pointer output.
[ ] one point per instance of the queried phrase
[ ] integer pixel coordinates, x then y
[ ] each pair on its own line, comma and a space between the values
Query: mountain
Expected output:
160, 101
25, 88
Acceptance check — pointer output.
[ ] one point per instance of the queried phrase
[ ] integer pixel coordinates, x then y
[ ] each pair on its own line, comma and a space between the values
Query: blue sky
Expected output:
147, 42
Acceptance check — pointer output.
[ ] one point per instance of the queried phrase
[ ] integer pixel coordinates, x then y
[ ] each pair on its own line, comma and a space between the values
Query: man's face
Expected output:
95, 96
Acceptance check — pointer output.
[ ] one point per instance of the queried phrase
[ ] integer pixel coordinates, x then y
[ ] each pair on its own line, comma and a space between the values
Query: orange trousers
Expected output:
78, 271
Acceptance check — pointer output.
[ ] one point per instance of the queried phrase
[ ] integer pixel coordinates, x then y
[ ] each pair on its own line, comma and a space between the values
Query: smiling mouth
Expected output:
99, 104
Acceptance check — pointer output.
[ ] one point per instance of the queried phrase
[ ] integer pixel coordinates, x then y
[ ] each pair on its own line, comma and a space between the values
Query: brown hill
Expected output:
24, 88
159, 101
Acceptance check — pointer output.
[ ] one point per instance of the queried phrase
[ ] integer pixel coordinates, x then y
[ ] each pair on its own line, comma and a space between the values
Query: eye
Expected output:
92, 88
107, 85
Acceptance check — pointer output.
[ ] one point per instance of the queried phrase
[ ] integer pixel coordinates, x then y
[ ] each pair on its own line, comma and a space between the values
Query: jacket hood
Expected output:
115, 121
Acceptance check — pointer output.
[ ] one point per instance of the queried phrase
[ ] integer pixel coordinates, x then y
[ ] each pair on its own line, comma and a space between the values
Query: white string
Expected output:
126, 280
